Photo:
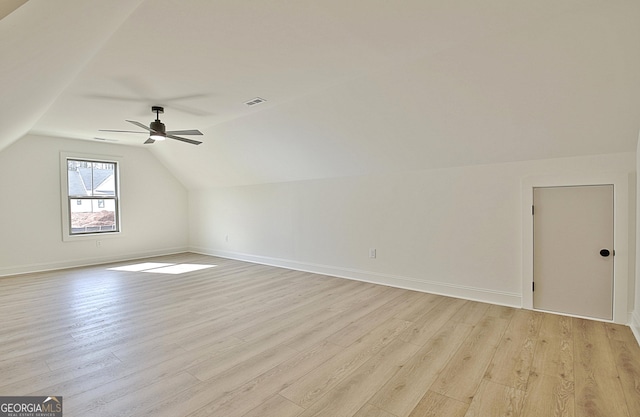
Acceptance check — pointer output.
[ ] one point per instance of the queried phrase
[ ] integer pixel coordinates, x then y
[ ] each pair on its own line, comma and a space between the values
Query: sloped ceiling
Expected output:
352, 87
9, 6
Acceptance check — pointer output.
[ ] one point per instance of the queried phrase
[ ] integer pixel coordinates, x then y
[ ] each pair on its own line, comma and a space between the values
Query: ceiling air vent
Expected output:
255, 101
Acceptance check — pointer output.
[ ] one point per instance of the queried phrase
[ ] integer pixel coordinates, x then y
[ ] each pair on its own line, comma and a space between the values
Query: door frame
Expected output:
621, 224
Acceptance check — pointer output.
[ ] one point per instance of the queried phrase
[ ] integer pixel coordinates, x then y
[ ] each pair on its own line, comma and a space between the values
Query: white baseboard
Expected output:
75, 263
433, 287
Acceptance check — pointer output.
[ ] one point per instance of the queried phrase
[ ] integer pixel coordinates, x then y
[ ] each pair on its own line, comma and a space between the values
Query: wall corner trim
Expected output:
634, 323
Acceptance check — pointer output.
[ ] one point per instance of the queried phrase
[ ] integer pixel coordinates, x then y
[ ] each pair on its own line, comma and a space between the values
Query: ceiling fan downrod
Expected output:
158, 129
157, 110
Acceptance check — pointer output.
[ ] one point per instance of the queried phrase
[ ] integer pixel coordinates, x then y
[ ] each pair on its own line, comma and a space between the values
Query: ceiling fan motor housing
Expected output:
157, 126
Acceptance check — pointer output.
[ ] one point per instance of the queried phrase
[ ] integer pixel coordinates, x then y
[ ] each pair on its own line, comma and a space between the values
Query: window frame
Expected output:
66, 200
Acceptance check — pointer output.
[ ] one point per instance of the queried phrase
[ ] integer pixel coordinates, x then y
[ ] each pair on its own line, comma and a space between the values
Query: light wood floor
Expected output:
250, 340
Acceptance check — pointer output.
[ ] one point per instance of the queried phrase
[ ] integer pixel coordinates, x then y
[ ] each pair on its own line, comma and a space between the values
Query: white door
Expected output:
573, 250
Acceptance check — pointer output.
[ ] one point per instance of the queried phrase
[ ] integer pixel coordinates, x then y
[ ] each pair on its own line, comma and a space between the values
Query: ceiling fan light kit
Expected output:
157, 130
156, 136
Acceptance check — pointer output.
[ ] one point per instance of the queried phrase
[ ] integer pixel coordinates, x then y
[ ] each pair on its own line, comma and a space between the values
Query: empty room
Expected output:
295, 208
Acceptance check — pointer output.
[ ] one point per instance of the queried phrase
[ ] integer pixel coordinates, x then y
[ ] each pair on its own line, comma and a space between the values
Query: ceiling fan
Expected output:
157, 130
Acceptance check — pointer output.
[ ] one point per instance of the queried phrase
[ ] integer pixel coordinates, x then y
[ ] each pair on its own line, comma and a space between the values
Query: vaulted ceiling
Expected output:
352, 87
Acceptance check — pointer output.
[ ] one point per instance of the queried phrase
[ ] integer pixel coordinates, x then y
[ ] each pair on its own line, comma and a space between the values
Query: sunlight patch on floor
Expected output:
161, 268
179, 268
139, 267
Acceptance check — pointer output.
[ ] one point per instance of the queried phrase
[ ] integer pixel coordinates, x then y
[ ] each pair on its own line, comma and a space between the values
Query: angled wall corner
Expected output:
635, 315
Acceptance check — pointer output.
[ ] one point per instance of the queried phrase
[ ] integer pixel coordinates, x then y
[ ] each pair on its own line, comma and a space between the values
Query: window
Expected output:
92, 197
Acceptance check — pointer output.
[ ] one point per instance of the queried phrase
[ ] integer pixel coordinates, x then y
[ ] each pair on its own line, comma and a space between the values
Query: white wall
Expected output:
452, 231
153, 207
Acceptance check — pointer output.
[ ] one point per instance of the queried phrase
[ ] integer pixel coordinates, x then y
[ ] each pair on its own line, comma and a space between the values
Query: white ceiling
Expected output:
352, 87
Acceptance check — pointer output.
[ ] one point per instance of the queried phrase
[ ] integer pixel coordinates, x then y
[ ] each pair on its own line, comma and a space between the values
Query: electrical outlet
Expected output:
372, 253
226, 238
98, 243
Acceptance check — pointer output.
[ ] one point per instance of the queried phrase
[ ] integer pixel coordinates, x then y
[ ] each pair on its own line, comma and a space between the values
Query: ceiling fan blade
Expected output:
148, 141
191, 141
120, 131
184, 132
139, 125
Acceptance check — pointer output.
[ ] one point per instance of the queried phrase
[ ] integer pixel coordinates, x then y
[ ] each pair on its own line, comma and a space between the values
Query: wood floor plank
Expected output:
365, 324
433, 404
351, 394
360, 312
121, 382
309, 314
311, 387
554, 350
32, 385
255, 366
136, 401
511, 363
549, 396
626, 354
402, 392
426, 325
422, 304
253, 354
502, 312
461, 377
90, 385
218, 398
598, 386
471, 313
248, 340
13, 370
496, 400
369, 410
276, 406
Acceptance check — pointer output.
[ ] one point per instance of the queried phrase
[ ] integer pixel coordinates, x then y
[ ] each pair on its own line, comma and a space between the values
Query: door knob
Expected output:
604, 253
